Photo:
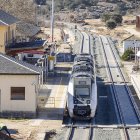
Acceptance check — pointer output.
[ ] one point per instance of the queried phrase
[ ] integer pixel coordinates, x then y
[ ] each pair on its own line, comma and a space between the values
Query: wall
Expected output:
137, 21
10, 29
27, 81
21, 55
3, 30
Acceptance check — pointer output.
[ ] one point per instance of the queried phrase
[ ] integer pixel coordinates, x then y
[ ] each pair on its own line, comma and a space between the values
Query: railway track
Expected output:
82, 132
125, 84
85, 44
126, 110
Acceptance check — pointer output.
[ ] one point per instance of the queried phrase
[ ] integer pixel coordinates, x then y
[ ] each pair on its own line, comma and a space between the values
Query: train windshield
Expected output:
82, 92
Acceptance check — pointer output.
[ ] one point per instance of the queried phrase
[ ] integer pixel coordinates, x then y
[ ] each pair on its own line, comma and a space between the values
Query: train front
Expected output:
82, 97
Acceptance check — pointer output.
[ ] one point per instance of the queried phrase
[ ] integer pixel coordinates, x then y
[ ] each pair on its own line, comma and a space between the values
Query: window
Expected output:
30, 55
82, 91
17, 93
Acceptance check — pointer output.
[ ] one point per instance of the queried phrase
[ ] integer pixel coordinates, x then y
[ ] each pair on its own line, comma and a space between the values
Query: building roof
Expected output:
27, 45
27, 29
7, 19
12, 66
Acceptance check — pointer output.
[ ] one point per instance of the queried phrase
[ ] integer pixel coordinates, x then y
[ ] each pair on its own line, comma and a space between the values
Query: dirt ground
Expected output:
32, 129
119, 33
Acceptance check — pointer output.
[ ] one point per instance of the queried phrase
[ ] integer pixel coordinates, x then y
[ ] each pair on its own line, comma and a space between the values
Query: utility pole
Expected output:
135, 51
136, 7
52, 22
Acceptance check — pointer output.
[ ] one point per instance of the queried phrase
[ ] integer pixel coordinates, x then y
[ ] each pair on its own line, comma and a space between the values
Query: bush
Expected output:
111, 24
127, 54
105, 17
117, 18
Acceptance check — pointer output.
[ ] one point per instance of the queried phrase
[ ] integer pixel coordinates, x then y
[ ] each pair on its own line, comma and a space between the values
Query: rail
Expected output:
70, 135
114, 91
126, 86
82, 44
90, 136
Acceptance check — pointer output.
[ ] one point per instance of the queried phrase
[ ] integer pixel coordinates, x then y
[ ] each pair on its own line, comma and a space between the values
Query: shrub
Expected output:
111, 24
127, 54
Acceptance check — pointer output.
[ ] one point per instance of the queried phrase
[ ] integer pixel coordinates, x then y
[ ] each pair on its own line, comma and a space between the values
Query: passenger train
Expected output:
82, 88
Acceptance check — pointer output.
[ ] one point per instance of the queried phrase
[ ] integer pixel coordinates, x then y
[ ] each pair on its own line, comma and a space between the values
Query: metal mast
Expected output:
52, 22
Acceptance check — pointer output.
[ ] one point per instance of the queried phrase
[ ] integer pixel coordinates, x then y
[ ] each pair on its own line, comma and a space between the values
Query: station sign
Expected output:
51, 57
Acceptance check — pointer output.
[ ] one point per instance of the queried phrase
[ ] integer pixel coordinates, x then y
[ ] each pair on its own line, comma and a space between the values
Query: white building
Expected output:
18, 88
131, 42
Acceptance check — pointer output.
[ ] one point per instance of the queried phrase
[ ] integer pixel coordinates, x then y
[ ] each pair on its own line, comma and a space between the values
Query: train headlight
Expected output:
88, 101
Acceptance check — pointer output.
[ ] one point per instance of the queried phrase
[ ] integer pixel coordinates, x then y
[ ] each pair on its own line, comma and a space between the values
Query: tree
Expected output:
127, 54
117, 18
111, 24
105, 17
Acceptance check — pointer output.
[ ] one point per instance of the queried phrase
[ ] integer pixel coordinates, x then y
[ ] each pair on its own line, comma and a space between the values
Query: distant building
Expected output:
7, 30
138, 21
130, 43
30, 56
26, 32
24, 46
64, 53
19, 82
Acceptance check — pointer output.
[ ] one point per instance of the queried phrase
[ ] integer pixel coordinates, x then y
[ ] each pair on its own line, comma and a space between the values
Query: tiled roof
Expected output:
10, 65
7, 19
27, 29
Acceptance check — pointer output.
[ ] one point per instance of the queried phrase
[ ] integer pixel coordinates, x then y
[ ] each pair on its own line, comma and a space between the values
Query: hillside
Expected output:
22, 9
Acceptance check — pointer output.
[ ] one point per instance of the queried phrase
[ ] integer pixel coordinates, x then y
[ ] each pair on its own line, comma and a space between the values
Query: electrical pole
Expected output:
52, 22
136, 6
135, 50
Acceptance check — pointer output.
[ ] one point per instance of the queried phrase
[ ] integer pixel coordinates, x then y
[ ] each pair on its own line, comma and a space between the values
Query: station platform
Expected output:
134, 76
52, 102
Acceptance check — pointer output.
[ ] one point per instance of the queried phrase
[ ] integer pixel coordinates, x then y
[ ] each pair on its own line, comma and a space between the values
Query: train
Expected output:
82, 87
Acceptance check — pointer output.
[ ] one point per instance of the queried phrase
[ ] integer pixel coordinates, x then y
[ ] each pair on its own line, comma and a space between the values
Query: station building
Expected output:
19, 84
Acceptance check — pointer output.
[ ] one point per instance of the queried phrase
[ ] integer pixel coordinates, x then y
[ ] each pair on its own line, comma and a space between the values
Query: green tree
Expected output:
117, 18
111, 24
105, 17
127, 54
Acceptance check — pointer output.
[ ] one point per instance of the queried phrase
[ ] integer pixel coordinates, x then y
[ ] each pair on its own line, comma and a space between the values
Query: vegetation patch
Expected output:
50, 134
127, 55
